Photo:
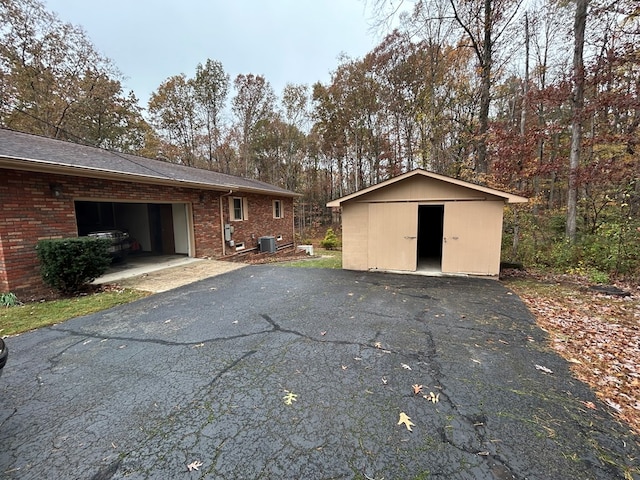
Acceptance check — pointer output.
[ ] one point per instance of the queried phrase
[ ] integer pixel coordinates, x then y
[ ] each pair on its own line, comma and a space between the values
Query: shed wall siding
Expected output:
355, 230
420, 188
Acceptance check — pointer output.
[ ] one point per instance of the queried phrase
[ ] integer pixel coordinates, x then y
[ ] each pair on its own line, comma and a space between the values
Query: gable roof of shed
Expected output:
22, 151
508, 197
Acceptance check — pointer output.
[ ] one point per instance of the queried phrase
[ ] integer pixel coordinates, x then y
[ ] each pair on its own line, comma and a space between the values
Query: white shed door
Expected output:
393, 236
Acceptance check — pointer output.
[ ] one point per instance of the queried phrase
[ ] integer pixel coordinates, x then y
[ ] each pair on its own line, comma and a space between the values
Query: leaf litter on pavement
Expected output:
599, 335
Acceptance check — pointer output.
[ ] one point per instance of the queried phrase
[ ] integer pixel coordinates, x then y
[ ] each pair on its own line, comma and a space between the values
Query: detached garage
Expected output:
424, 222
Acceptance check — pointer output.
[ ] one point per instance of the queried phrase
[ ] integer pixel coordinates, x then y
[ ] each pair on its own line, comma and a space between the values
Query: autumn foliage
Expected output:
491, 102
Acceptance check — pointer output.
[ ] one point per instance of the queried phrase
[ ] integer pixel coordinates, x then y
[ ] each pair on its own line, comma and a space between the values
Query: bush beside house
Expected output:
67, 264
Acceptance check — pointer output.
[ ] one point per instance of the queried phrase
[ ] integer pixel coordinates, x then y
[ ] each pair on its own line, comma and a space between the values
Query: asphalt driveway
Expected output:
282, 373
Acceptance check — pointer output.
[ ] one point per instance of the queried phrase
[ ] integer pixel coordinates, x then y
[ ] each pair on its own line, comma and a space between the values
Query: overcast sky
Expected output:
286, 41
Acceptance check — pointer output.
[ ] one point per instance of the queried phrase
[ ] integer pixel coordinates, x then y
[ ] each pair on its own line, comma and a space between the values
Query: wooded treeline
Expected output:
500, 92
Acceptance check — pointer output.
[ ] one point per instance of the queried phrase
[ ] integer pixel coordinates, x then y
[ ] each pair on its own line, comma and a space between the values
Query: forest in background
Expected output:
539, 98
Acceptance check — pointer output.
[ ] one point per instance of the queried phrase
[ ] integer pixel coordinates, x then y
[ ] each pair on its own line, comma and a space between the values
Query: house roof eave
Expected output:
44, 166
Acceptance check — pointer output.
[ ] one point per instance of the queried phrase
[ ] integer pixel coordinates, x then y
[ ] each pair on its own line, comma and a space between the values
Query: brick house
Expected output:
56, 189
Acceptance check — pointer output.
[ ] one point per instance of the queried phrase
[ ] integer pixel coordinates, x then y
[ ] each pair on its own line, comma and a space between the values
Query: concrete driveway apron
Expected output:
282, 373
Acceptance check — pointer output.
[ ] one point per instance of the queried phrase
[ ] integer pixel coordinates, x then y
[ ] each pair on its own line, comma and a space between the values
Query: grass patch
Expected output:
322, 259
22, 318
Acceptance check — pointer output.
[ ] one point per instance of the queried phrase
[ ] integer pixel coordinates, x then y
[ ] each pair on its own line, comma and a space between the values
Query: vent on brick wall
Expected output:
267, 244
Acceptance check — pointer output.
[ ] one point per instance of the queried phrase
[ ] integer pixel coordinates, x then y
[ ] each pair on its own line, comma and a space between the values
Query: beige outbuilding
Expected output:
424, 222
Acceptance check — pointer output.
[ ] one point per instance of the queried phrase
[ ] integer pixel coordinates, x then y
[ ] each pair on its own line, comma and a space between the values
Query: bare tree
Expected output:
173, 111
254, 101
484, 22
211, 86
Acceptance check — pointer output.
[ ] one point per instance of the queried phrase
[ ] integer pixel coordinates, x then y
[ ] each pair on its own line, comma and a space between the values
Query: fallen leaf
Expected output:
599, 338
417, 389
406, 420
194, 465
613, 405
290, 397
590, 405
543, 369
432, 398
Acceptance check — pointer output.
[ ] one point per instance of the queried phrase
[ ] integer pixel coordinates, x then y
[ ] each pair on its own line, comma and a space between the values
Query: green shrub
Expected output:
67, 264
330, 240
8, 299
596, 276
606, 247
615, 248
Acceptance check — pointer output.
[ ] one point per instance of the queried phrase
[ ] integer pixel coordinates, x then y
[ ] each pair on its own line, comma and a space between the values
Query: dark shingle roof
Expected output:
35, 153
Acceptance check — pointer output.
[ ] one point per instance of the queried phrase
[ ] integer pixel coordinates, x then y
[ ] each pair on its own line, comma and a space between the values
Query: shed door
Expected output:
393, 234
471, 239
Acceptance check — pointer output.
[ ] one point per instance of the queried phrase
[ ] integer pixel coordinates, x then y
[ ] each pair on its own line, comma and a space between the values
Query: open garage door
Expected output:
162, 229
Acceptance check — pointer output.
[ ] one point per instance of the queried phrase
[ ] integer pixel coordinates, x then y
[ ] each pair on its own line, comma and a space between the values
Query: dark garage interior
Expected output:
149, 225
430, 231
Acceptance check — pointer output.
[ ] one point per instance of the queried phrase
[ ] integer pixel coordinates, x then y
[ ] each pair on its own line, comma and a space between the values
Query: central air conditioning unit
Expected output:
268, 244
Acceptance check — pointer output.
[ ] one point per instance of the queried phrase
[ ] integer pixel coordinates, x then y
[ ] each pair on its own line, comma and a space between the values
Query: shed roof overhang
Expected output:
508, 197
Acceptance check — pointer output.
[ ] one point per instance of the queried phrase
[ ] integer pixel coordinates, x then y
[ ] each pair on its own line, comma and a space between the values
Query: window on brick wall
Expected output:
277, 209
238, 208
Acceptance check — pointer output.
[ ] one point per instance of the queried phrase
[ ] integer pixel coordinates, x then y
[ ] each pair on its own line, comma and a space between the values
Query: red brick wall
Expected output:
29, 211
260, 221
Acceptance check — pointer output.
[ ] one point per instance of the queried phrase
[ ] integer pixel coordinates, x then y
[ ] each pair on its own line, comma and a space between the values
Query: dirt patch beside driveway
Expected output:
174, 277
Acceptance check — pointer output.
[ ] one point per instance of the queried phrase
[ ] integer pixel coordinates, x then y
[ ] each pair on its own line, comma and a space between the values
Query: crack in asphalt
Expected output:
166, 343
231, 366
472, 422
278, 328
427, 357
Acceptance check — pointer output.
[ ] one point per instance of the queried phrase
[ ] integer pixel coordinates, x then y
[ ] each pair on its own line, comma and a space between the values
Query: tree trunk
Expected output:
576, 123
485, 94
523, 131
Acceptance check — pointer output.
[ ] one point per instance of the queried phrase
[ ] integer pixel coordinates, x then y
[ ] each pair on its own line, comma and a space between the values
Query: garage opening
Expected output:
158, 229
430, 233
